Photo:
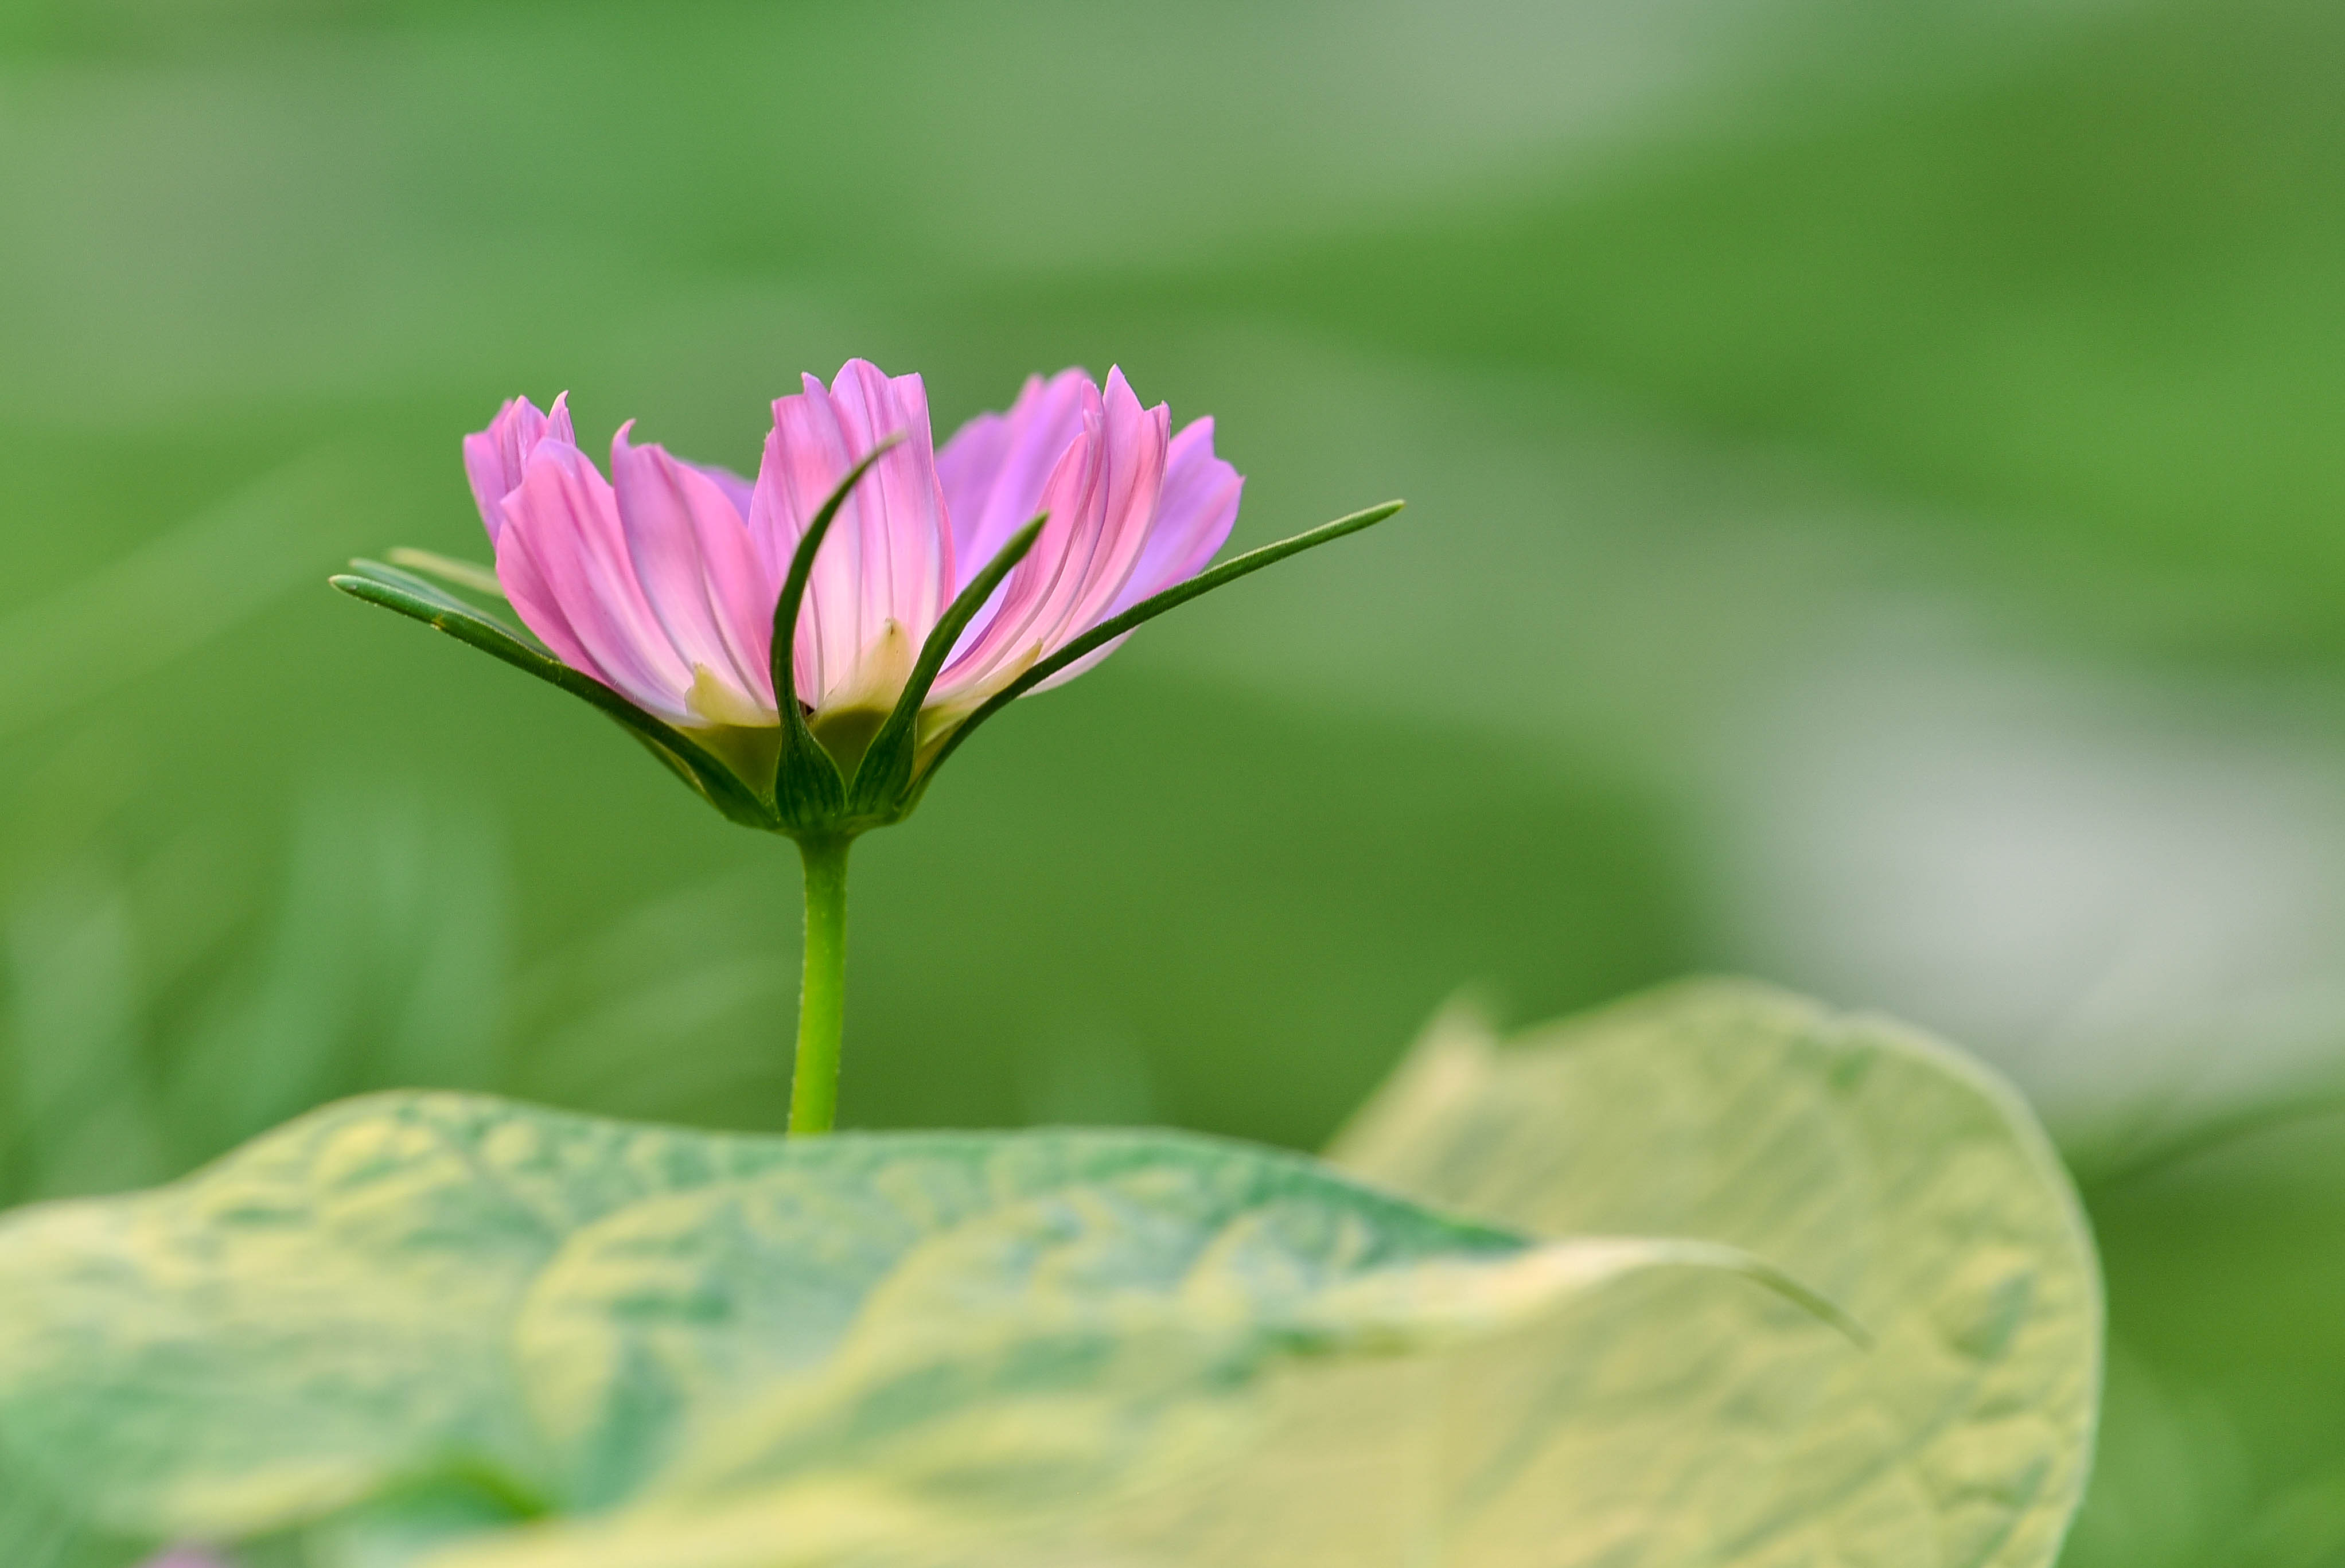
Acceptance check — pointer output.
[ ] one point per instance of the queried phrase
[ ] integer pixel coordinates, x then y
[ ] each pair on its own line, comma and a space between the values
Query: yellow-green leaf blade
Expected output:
1898, 1177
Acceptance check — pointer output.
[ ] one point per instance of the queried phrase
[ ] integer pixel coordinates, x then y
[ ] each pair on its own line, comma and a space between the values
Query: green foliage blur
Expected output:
1878, 521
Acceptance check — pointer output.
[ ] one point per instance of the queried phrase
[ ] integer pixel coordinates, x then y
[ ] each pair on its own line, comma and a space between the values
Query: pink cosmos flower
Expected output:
661, 582
924, 589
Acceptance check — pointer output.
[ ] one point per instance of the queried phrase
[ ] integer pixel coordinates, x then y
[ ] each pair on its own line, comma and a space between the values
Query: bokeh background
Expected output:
1878, 482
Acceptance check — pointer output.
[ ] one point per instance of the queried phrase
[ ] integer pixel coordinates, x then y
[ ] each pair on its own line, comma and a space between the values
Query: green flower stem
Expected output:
822, 991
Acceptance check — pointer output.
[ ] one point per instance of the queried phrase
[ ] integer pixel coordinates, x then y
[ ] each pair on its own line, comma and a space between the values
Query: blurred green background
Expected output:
1877, 496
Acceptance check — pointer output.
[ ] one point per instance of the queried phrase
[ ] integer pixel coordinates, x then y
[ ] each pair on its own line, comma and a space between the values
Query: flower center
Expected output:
852, 710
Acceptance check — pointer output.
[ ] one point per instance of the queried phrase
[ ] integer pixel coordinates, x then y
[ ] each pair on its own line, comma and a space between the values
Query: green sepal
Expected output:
1147, 610
885, 777
412, 596
808, 795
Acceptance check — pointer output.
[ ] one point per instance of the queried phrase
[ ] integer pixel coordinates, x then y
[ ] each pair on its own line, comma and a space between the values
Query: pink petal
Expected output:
690, 548
1193, 517
531, 598
1194, 514
888, 556
495, 458
1006, 633
1138, 444
1100, 498
968, 467
994, 468
570, 579
736, 490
